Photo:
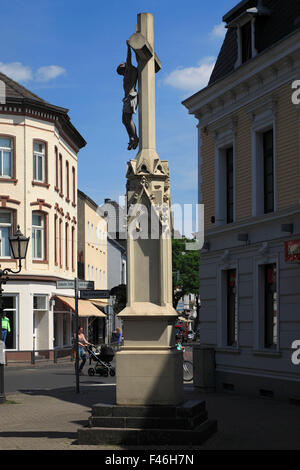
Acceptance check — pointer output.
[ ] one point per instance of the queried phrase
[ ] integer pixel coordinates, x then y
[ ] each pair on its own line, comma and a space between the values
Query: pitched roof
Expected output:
18, 94
15, 90
283, 20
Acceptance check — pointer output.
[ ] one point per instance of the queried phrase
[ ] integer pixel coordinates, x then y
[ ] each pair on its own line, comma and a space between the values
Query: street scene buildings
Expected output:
180, 342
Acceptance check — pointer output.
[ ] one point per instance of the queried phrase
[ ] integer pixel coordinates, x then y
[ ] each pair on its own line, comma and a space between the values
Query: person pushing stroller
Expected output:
82, 345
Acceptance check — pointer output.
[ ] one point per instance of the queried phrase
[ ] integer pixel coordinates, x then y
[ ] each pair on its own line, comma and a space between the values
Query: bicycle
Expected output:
188, 371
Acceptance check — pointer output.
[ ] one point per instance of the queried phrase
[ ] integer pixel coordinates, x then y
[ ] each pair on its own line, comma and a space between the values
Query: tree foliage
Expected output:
121, 297
185, 269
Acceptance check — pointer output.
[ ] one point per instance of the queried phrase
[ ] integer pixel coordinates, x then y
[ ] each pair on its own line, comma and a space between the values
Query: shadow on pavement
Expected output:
88, 396
40, 434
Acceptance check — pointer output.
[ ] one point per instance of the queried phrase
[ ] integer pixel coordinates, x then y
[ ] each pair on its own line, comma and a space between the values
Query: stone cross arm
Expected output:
143, 49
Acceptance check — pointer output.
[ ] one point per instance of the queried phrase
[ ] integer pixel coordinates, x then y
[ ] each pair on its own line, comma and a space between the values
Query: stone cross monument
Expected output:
150, 406
149, 367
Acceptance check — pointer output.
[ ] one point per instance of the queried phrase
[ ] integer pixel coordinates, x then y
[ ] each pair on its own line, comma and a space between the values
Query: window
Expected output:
224, 187
100, 278
38, 236
73, 252
270, 306
5, 232
56, 169
67, 182
67, 245
232, 326
89, 234
55, 240
60, 175
6, 152
10, 310
268, 162
229, 184
39, 162
60, 244
246, 39
96, 277
89, 273
74, 186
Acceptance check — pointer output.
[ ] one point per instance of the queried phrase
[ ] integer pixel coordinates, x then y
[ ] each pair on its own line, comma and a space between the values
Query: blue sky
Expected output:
67, 51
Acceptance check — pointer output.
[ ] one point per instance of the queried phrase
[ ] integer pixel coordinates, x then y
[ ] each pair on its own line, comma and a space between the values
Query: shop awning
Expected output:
85, 307
100, 303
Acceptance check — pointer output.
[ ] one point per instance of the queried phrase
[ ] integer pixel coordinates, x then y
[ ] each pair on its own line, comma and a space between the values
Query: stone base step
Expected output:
189, 408
132, 436
189, 422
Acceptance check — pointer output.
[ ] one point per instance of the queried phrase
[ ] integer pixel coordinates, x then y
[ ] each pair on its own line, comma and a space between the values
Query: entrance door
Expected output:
40, 322
10, 311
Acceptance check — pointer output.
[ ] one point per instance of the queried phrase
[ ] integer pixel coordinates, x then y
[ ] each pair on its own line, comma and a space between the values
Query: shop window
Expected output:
10, 311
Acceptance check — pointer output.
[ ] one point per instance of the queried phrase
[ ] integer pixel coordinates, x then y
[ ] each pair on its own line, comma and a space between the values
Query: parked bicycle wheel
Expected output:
187, 371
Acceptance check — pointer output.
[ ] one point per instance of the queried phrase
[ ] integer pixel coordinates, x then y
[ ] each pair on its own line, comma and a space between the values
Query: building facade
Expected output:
249, 183
38, 191
93, 260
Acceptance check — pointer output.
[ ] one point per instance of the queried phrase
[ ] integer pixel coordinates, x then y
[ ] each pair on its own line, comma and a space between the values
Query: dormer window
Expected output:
246, 42
244, 22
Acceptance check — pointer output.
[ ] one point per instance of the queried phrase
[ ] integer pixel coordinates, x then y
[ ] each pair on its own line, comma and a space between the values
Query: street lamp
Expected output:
18, 245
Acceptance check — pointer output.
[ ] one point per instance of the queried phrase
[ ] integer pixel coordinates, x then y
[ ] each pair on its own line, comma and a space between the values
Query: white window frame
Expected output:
36, 156
10, 226
225, 137
222, 305
239, 24
263, 120
258, 304
10, 150
36, 228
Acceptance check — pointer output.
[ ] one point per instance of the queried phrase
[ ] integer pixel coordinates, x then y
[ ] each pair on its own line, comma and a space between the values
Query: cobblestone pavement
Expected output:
49, 420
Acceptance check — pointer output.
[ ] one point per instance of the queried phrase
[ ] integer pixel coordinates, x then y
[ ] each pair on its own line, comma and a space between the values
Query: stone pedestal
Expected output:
148, 425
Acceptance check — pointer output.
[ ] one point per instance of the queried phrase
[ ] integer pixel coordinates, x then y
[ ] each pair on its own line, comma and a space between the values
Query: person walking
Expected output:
82, 344
5, 328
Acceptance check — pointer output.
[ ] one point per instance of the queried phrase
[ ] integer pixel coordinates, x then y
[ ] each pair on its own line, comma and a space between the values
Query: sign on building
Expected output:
292, 250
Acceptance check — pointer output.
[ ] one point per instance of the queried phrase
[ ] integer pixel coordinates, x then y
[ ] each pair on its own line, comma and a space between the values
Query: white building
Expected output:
38, 191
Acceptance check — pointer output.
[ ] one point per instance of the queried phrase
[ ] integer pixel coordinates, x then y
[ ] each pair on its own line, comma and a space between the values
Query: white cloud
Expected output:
23, 73
218, 31
16, 71
49, 72
191, 79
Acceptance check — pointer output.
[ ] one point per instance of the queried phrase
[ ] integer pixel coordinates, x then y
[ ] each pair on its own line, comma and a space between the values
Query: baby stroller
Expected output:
103, 360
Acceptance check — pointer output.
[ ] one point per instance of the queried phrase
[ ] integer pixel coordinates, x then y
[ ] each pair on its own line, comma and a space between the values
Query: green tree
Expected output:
121, 297
185, 270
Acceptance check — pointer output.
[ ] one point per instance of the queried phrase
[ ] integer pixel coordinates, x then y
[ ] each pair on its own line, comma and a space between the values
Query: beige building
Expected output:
249, 183
38, 191
92, 259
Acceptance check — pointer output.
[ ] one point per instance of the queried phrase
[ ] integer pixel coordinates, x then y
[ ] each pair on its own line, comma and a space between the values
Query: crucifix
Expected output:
142, 42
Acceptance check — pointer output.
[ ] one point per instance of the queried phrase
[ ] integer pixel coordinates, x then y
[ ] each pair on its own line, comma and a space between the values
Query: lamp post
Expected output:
18, 245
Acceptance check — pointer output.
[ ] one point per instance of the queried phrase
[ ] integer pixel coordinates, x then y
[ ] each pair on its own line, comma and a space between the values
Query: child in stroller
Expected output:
103, 361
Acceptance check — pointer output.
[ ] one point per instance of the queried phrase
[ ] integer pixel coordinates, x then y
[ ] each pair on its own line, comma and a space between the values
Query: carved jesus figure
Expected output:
130, 101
